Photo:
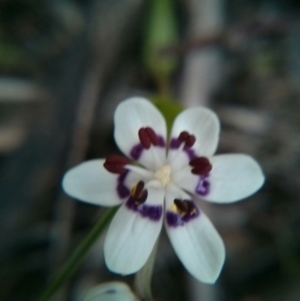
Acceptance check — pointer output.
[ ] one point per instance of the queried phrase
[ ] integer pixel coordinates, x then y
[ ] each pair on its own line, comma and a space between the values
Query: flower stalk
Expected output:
78, 256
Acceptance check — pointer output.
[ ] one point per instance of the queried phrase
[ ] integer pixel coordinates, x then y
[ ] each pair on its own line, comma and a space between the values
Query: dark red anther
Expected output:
188, 139
183, 136
199, 161
201, 166
144, 138
139, 194
147, 137
116, 164
152, 136
203, 170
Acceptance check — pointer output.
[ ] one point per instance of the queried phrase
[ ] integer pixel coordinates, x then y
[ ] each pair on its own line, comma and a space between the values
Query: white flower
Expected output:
111, 291
163, 189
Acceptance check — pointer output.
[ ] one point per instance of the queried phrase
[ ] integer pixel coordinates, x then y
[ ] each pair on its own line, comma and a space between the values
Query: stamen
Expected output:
147, 137
190, 141
138, 193
116, 164
144, 138
138, 189
198, 161
186, 138
201, 166
183, 136
185, 207
182, 206
152, 136
191, 207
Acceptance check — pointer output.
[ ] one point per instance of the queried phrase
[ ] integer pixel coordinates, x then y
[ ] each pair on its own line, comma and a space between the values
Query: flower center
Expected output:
163, 175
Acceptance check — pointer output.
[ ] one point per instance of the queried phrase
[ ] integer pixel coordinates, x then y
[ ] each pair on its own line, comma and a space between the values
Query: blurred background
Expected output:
64, 67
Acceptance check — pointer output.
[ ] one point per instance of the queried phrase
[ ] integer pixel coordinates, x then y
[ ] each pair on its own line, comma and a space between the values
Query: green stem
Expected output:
163, 86
79, 254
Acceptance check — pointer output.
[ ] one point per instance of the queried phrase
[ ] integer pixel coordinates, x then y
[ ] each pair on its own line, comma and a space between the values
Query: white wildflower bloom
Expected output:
162, 187
111, 291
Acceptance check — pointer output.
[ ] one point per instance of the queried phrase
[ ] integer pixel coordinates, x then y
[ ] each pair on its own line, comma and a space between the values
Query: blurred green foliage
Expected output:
10, 54
161, 32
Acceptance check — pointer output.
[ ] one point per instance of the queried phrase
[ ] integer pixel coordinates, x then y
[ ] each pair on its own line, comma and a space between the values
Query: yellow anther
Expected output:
133, 190
175, 208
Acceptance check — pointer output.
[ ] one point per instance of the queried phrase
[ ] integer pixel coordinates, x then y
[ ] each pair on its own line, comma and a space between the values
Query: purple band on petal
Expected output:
203, 186
122, 189
161, 141
175, 143
154, 213
137, 150
190, 152
174, 219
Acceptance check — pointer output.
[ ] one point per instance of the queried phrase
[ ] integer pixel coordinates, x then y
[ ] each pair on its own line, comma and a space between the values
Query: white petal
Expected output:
130, 116
233, 177
111, 291
198, 245
132, 234
92, 183
203, 124
137, 174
